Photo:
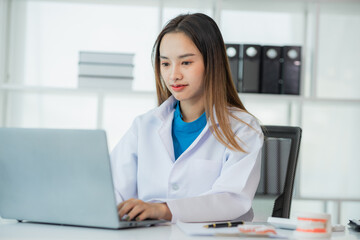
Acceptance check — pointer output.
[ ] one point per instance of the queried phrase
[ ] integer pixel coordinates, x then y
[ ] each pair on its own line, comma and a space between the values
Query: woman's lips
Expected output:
178, 87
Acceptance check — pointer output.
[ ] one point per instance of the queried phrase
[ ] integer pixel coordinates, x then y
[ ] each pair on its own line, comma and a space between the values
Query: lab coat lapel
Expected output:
166, 137
195, 142
165, 112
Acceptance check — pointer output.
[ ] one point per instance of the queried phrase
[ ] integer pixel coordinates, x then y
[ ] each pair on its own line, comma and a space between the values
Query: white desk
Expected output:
13, 230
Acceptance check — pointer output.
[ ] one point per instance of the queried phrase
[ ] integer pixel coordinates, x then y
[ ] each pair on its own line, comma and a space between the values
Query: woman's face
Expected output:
182, 67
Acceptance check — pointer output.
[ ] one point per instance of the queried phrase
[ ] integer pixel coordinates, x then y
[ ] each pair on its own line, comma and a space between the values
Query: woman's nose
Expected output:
176, 73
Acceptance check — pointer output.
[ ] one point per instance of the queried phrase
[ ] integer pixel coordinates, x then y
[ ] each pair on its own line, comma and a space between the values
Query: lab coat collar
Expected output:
165, 112
166, 108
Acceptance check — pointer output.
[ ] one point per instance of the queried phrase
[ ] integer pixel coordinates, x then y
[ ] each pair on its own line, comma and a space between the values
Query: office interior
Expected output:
40, 43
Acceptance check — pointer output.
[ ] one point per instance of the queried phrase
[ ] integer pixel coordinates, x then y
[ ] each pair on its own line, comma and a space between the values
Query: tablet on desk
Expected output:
58, 176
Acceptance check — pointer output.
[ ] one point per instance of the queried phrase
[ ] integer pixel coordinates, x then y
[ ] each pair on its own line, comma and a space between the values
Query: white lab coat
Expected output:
208, 182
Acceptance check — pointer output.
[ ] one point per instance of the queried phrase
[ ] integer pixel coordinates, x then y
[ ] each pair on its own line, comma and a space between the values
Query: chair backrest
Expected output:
279, 160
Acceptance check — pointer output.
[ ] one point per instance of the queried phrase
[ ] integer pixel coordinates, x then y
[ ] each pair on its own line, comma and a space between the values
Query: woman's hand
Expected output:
140, 210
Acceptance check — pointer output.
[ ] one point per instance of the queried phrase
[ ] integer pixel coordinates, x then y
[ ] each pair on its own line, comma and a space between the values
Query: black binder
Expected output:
250, 59
354, 224
233, 53
291, 69
270, 69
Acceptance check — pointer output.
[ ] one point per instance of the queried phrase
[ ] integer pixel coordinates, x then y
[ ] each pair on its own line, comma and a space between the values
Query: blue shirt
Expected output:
184, 133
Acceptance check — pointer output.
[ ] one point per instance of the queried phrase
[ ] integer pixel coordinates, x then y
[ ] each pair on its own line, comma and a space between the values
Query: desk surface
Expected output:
13, 230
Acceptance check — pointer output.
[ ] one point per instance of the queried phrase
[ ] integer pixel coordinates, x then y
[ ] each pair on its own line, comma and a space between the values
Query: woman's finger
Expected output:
120, 205
136, 211
152, 210
143, 215
126, 208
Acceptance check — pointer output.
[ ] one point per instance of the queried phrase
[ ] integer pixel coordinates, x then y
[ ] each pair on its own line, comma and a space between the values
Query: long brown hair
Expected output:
220, 92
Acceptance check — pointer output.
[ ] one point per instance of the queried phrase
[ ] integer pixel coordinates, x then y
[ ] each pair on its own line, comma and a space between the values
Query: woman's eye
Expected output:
186, 63
165, 64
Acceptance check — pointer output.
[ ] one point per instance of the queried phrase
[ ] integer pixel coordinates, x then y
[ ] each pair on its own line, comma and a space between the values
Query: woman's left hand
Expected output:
140, 210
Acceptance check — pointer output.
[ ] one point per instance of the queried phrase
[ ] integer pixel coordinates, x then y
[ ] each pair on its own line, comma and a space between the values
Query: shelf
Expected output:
271, 97
331, 199
64, 90
244, 96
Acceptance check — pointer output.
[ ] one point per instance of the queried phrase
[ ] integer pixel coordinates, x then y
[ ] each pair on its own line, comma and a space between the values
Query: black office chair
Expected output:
279, 159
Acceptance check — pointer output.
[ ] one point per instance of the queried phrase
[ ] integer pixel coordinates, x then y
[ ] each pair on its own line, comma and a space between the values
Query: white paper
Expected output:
198, 229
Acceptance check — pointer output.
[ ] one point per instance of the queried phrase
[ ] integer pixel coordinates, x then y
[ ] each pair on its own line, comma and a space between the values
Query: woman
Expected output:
196, 157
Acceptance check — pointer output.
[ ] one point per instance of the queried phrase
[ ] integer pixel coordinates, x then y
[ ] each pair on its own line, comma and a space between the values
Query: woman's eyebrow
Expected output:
181, 56
186, 55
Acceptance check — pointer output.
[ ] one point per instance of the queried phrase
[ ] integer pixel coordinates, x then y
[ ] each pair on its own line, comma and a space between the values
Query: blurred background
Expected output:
41, 41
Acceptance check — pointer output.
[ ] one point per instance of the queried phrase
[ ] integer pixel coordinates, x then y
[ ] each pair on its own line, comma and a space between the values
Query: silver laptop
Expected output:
58, 176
